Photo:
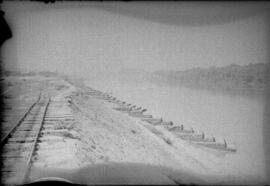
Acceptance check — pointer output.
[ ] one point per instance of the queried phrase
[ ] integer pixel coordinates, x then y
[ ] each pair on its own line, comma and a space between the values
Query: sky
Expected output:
86, 38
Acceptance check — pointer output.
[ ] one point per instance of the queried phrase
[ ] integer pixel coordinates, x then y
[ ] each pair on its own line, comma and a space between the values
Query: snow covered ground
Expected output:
101, 145
237, 118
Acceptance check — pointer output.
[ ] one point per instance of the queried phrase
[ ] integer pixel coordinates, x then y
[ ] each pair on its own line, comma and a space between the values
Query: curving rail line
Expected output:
19, 144
7, 135
35, 143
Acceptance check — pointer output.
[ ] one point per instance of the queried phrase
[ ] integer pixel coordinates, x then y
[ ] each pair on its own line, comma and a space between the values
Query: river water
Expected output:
237, 118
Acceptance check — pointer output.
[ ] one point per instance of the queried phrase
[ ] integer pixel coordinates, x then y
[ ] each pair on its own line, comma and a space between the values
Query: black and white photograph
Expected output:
135, 92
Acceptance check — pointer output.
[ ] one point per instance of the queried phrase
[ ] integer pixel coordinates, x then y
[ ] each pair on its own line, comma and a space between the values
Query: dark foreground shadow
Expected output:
120, 173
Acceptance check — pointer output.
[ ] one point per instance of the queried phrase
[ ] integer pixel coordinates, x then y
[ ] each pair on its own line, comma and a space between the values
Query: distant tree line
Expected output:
233, 76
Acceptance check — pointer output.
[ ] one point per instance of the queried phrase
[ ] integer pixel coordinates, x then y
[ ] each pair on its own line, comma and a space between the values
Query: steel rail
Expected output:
29, 161
5, 138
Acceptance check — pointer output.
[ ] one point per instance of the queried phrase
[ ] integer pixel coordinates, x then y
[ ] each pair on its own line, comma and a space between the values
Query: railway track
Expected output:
19, 143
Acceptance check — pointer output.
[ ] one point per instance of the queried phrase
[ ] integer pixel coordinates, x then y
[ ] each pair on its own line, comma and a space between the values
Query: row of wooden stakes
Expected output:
185, 134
